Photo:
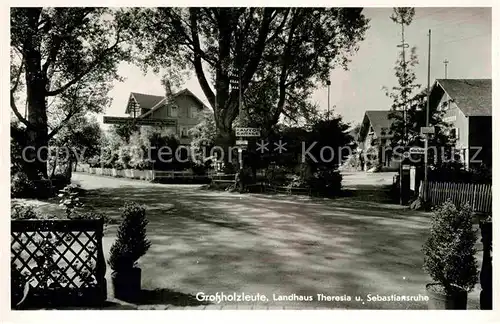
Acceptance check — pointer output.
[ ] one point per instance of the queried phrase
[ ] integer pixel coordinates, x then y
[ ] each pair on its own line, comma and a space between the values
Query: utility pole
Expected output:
328, 83
403, 46
446, 68
427, 120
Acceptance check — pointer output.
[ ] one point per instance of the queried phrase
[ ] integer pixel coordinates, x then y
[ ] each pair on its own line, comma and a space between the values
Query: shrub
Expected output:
455, 172
24, 212
90, 214
59, 181
449, 251
327, 182
21, 186
69, 198
131, 242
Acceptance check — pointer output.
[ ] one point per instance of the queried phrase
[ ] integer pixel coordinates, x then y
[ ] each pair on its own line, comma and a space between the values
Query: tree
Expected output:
77, 142
408, 110
203, 136
277, 54
124, 131
68, 56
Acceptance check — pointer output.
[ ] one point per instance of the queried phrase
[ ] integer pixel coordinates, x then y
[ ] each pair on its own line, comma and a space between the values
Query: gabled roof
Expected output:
146, 101
378, 119
472, 96
153, 102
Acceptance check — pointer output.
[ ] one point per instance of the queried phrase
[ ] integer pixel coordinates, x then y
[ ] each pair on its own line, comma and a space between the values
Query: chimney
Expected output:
168, 89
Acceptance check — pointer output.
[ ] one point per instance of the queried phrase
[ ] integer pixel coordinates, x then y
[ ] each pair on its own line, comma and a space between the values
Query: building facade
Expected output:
183, 109
467, 109
374, 140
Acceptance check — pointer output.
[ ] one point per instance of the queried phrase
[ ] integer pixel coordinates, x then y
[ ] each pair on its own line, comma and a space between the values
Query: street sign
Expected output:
247, 132
406, 167
427, 130
417, 150
139, 121
241, 142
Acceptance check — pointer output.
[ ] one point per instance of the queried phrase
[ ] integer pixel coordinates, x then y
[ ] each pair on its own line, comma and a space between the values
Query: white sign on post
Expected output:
427, 130
417, 150
241, 142
247, 132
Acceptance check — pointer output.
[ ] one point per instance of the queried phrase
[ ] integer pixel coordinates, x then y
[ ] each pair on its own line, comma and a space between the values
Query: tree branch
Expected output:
86, 71
62, 124
16, 111
13, 99
193, 15
254, 60
284, 68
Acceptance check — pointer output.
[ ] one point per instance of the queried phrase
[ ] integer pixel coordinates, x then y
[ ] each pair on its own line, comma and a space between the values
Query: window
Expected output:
193, 112
184, 132
454, 133
444, 105
174, 111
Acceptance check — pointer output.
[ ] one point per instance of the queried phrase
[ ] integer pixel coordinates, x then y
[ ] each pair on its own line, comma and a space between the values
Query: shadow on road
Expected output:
221, 242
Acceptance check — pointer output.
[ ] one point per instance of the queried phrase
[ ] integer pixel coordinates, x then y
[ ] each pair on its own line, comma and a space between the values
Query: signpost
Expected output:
140, 121
417, 150
247, 132
242, 142
428, 130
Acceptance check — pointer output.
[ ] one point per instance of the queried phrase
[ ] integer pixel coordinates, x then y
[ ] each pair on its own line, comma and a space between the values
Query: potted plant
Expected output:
131, 243
450, 257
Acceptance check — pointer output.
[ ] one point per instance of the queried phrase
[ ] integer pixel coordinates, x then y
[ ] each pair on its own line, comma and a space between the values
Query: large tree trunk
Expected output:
225, 141
37, 136
36, 87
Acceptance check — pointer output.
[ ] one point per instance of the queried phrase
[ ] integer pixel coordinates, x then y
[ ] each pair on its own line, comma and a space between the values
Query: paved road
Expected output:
205, 241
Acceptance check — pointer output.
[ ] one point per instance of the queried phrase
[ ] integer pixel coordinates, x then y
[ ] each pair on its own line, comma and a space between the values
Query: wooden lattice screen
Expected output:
63, 260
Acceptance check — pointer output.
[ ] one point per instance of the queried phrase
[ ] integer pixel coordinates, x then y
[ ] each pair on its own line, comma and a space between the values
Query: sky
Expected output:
460, 35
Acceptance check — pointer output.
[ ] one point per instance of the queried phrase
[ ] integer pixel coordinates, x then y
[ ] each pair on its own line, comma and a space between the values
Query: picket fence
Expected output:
147, 175
479, 196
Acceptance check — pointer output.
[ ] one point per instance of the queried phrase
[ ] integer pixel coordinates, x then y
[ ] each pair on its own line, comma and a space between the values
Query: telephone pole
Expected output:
404, 46
446, 68
427, 120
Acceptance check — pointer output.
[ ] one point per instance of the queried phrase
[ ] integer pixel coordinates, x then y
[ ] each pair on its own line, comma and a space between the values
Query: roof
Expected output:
153, 102
378, 119
146, 101
472, 96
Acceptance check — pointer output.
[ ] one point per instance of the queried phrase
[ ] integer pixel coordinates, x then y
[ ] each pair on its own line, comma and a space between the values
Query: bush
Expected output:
327, 182
277, 175
18, 211
131, 242
59, 181
454, 172
69, 198
21, 186
449, 251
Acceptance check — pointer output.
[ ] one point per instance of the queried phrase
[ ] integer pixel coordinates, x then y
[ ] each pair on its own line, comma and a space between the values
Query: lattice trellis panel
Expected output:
63, 256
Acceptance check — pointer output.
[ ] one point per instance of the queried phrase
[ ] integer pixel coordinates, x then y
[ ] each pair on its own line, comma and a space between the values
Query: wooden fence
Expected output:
479, 196
147, 175
62, 260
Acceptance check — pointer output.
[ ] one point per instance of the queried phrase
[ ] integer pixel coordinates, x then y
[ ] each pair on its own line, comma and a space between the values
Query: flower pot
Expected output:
126, 284
438, 299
